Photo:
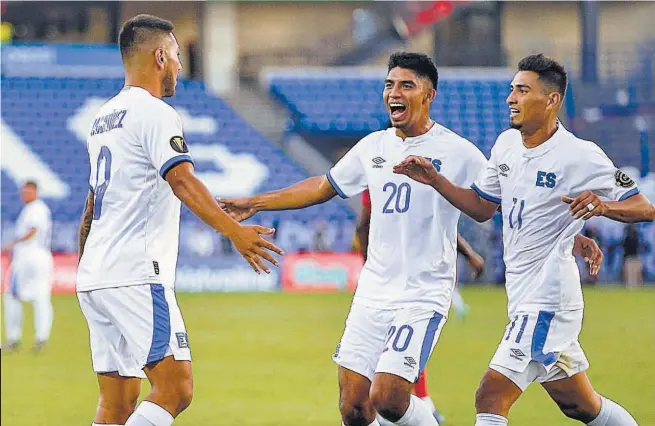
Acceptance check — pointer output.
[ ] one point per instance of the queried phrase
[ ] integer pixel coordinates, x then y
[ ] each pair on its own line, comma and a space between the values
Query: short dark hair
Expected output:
135, 31
420, 63
550, 71
31, 183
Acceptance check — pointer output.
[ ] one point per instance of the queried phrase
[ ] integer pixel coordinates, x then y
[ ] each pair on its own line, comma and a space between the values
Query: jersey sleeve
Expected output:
164, 141
603, 178
487, 184
348, 176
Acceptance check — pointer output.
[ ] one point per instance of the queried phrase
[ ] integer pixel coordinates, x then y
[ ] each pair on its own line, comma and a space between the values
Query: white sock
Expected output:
612, 414
383, 422
149, 414
103, 424
458, 301
418, 414
429, 403
42, 317
485, 419
13, 318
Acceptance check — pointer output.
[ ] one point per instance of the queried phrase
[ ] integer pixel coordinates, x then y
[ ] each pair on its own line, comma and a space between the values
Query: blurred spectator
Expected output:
321, 242
632, 267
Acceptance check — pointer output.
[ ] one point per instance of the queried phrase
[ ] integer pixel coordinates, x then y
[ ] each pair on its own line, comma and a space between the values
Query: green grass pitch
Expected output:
265, 359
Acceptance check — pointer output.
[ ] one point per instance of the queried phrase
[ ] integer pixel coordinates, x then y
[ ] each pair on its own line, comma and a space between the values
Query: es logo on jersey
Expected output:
179, 145
182, 340
546, 179
623, 180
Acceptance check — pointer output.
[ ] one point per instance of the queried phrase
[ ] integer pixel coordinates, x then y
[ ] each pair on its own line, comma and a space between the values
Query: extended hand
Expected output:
585, 205
418, 168
239, 209
476, 262
253, 247
590, 252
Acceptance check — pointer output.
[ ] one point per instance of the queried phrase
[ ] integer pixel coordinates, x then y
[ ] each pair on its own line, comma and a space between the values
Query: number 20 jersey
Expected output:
412, 249
538, 230
134, 141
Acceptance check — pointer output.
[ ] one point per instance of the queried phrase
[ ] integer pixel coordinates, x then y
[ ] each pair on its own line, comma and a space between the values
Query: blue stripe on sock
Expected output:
161, 324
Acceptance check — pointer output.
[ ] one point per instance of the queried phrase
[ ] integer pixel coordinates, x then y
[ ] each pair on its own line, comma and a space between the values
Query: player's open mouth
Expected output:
397, 110
513, 112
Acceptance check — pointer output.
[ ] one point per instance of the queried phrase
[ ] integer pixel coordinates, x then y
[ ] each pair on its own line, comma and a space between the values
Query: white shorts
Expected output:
541, 346
31, 278
395, 341
131, 327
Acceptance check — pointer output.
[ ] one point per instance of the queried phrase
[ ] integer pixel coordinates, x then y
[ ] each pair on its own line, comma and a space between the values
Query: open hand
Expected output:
253, 247
590, 252
585, 205
418, 168
239, 209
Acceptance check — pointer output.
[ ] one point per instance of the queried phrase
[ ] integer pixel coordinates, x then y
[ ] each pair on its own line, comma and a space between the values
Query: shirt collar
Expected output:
540, 150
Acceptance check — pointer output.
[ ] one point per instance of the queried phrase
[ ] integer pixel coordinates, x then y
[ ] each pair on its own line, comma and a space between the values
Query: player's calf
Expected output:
495, 396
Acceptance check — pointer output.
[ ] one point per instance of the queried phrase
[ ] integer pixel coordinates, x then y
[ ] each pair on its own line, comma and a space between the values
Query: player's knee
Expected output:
356, 413
576, 411
390, 401
487, 399
184, 395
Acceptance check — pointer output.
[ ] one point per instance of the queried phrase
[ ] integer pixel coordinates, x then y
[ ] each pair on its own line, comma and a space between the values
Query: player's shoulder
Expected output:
508, 139
373, 139
457, 142
146, 106
575, 148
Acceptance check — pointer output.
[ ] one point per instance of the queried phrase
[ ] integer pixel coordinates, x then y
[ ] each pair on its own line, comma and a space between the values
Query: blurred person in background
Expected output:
31, 271
632, 267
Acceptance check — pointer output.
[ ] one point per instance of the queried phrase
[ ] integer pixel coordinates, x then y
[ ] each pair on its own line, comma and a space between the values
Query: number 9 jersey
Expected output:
413, 232
134, 141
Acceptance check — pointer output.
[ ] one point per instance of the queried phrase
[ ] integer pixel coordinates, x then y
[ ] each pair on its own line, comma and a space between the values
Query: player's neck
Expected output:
152, 87
539, 136
416, 130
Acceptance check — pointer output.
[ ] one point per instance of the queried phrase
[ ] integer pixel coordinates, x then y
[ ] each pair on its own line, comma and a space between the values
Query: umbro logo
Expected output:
517, 354
377, 162
410, 362
504, 168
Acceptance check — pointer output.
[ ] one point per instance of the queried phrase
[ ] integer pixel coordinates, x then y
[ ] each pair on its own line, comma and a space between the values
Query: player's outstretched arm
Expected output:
315, 190
637, 208
590, 252
85, 224
247, 239
467, 200
474, 259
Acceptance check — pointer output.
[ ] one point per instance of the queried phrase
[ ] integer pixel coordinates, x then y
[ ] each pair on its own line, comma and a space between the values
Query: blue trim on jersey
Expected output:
13, 284
428, 340
174, 162
335, 186
485, 195
631, 193
539, 338
91, 189
161, 324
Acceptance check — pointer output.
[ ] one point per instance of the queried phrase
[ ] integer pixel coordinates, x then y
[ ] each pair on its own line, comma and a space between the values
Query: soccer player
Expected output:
405, 287
140, 171
31, 271
546, 181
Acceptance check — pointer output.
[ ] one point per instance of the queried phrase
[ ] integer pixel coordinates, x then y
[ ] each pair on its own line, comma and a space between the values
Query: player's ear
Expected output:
430, 95
159, 56
554, 99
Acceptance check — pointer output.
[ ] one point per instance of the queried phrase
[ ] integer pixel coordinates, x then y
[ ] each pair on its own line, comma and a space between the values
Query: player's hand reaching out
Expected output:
253, 247
418, 168
239, 209
477, 264
585, 205
590, 252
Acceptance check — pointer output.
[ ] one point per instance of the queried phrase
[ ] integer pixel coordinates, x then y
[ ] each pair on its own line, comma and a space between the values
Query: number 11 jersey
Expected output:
412, 249
134, 141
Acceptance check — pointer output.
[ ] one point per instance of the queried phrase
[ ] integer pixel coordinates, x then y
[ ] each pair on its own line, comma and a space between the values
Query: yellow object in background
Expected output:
6, 32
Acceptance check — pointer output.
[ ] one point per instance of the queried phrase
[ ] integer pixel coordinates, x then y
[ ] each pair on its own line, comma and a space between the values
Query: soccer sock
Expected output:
417, 414
149, 414
384, 422
13, 318
612, 414
421, 387
458, 301
485, 419
103, 424
42, 318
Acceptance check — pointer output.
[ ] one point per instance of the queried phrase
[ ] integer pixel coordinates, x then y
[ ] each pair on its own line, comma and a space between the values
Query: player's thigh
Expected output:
575, 396
363, 339
410, 341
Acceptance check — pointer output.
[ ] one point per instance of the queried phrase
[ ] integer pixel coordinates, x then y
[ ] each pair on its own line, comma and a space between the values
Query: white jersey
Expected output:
412, 248
35, 214
134, 141
538, 230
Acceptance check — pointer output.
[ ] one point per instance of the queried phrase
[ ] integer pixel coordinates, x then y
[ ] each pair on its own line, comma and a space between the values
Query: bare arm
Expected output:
634, 209
363, 226
85, 224
30, 233
247, 239
474, 259
464, 199
315, 190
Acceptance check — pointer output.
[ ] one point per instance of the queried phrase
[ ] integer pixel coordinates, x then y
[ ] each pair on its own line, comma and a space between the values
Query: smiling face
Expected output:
407, 98
531, 103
